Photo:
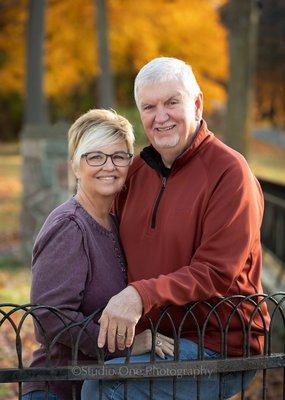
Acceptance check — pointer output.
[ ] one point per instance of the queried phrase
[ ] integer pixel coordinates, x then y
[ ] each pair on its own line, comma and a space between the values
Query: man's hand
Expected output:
119, 318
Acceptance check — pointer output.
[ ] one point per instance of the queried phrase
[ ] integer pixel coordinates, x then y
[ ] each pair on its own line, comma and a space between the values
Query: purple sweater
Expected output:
77, 266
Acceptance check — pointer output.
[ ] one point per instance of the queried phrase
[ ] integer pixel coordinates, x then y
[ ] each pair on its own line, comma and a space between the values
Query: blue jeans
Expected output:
186, 388
40, 395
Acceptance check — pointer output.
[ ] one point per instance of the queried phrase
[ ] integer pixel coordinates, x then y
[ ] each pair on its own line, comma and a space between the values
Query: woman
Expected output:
78, 264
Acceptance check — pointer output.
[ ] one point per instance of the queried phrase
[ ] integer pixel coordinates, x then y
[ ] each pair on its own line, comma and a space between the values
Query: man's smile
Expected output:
165, 128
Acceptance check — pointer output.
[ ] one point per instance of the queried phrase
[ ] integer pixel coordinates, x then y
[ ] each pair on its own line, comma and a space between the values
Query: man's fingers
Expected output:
103, 330
130, 335
121, 337
111, 335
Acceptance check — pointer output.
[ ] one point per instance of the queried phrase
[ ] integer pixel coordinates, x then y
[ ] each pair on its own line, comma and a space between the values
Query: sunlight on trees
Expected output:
137, 34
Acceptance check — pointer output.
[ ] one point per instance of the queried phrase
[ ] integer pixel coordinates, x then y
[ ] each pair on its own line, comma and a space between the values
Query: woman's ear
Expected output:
75, 170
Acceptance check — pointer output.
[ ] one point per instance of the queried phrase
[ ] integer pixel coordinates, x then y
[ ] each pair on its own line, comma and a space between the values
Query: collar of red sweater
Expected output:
153, 158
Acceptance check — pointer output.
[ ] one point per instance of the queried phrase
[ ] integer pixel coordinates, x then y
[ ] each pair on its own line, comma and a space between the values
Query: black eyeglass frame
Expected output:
130, 155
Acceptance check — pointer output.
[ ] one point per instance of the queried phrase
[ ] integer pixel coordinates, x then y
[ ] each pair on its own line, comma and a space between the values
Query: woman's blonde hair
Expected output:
96, 129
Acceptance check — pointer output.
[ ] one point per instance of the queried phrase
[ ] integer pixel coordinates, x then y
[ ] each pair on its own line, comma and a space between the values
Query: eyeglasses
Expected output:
98, 158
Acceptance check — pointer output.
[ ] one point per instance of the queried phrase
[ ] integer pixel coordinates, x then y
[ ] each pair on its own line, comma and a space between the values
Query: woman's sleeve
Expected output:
59, 274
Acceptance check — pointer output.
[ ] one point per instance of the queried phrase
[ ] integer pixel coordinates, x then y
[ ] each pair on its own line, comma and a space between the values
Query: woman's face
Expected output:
107, 179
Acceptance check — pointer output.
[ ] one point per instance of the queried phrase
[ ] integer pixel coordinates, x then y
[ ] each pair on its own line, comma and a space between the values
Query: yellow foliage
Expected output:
178, 28
71, 54
138, 31
12, 47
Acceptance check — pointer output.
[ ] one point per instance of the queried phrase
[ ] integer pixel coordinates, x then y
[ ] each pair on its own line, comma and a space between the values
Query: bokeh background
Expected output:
59, 58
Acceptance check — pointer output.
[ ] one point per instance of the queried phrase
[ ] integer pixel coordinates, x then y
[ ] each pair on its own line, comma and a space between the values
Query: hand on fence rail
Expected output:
185, 351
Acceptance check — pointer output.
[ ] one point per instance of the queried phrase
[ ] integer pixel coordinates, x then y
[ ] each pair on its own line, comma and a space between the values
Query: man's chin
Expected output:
167, 143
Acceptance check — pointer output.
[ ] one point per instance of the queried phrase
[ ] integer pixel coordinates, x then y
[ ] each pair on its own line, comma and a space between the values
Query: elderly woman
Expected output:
78, 263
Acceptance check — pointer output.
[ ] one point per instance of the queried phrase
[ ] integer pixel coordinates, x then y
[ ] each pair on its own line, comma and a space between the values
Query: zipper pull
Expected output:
164, 182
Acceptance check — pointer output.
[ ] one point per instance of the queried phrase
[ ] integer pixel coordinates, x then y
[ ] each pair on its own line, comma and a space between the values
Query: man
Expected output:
190, 221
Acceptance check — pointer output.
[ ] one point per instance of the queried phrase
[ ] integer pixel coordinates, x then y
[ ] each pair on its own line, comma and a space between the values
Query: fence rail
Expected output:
273, 226
242, 316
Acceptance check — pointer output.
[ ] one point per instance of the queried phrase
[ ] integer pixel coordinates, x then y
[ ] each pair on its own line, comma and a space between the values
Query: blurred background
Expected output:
59, 58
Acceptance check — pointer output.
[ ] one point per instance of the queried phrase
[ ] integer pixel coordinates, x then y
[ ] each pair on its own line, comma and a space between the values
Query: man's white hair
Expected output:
165, 69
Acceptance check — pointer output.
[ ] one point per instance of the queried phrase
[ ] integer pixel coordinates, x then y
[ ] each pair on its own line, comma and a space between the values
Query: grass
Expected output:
14, 281
10, 191
267, 162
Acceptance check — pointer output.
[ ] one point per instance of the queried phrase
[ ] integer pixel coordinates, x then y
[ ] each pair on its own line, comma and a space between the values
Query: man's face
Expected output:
169, 115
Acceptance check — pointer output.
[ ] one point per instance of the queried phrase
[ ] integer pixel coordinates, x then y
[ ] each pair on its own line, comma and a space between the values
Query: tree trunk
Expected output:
43, 147
105, 82
243, 25
35, 112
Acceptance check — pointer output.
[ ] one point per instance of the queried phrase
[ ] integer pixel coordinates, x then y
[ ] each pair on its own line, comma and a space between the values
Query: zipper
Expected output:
154, 213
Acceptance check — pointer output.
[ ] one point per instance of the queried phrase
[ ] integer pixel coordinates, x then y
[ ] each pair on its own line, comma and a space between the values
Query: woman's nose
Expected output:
109, 164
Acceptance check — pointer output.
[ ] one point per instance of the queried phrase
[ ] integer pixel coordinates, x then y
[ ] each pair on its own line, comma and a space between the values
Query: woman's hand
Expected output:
164, 345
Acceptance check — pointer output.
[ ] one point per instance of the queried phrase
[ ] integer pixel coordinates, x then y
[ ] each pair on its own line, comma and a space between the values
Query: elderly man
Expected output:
190, 220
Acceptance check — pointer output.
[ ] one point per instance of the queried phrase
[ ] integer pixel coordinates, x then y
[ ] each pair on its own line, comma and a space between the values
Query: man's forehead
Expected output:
161, 90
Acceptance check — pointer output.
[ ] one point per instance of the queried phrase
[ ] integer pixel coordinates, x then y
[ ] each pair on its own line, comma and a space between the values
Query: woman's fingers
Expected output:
165, 338
159, 352
164, 345
169, 350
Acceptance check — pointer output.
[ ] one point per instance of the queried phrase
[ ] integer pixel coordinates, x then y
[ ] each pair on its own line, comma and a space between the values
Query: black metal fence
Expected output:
217, 321
273, 226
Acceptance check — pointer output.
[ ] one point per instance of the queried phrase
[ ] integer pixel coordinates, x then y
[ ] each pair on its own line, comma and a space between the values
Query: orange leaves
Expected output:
12, 47
70, 45
178, 28
138, 32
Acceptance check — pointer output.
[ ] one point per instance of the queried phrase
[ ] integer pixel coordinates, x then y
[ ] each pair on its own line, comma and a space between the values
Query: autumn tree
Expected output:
188, 30
36, 112
243, 17
13, 18
270, 76
105, 79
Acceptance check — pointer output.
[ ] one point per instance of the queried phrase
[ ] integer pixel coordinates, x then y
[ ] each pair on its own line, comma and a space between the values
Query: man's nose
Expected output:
161, 115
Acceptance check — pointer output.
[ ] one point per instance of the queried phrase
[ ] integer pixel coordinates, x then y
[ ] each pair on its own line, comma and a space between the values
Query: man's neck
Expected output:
168, 159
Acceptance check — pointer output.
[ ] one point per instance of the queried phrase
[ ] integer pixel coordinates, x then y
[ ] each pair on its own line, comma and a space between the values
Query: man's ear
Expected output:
199, 106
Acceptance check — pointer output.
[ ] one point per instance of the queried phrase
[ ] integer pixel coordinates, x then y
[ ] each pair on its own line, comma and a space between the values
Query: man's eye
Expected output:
173, 102
147, 107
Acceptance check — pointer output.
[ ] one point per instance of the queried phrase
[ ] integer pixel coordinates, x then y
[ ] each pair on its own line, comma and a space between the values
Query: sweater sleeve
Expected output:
59, 273
231, 226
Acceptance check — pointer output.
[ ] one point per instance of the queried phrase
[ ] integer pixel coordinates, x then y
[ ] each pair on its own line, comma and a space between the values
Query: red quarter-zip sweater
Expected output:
195, 235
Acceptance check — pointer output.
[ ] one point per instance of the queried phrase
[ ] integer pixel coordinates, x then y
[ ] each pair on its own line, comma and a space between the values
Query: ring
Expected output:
120, 334
158, 342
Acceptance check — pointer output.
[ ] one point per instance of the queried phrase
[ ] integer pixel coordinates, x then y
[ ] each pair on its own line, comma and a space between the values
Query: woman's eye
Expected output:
120, 157
96, 157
